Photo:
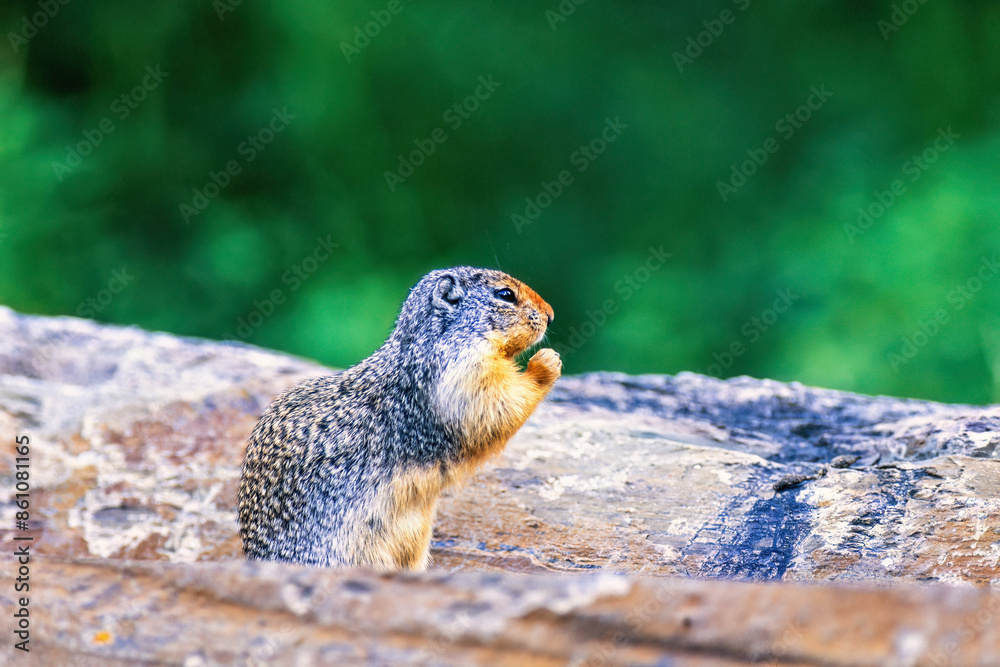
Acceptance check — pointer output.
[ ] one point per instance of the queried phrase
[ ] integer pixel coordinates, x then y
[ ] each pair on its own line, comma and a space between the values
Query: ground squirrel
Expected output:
346, 469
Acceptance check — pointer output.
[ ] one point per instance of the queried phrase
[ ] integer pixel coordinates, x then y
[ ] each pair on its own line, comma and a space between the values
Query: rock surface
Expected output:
137, 438
270, 614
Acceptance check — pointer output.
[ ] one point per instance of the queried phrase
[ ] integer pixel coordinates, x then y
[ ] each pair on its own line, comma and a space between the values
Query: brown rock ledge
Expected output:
141, 613
629, 483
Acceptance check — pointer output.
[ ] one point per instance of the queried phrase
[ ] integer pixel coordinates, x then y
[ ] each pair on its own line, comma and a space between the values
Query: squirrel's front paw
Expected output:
545, 366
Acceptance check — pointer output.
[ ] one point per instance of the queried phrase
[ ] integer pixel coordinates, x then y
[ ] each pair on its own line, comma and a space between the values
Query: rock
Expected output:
136, 440
275, 614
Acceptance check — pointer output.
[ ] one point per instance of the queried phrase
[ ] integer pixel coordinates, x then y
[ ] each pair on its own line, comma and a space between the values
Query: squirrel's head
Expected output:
467, 303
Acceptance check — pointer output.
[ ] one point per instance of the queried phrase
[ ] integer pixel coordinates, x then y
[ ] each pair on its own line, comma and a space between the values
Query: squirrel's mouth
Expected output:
519, 347
540, 337
509, 348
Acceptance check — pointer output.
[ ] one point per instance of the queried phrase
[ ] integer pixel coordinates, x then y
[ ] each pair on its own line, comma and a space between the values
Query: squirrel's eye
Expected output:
506, 295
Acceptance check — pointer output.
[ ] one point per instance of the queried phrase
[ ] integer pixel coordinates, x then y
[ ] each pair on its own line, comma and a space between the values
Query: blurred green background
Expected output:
200, 150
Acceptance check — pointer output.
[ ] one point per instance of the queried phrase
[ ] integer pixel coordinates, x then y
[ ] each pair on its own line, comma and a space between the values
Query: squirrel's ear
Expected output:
447, 293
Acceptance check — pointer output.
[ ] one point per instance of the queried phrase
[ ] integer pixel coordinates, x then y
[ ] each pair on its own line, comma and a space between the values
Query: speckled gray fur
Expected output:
324, 450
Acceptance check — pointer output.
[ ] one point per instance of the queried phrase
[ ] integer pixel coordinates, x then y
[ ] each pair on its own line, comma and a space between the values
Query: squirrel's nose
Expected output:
547, 310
